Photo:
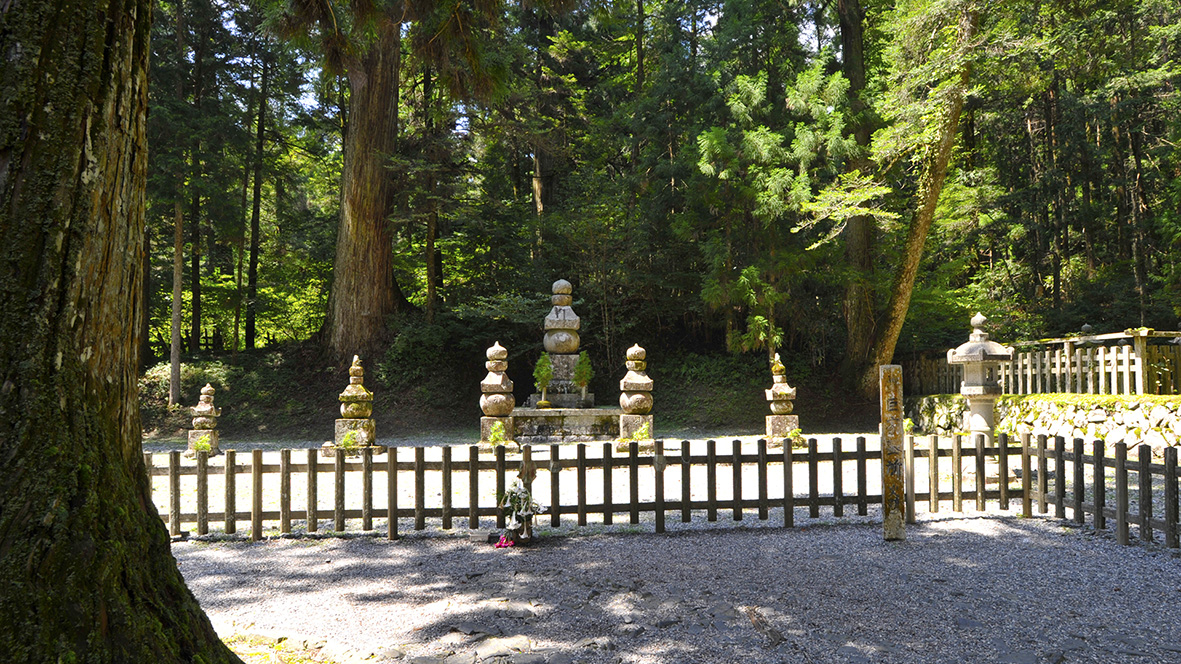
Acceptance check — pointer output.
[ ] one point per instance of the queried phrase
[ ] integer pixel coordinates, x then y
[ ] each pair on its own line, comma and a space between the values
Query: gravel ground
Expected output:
981, 588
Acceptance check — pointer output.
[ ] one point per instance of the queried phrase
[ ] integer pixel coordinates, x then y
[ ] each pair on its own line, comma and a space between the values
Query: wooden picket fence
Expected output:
749, 485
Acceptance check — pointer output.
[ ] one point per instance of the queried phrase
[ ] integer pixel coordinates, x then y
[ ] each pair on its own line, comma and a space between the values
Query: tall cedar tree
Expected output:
85, 568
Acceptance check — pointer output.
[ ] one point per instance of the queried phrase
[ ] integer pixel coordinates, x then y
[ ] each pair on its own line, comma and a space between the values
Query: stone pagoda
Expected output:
355, 428
561, 342
635, 397
780, 422
204, 423
496, 398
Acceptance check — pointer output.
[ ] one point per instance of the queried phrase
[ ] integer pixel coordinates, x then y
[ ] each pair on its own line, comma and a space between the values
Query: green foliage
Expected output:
543, 372
351, 441
644, 433
583, 372
496, 434
203, 444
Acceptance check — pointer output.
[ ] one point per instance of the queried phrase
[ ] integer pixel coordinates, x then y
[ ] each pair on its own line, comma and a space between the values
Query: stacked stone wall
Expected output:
1155, 420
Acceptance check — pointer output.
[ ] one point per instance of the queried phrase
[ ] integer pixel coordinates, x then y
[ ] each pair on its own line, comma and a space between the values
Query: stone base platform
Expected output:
547, 426
558, 400
196, 435
778, 426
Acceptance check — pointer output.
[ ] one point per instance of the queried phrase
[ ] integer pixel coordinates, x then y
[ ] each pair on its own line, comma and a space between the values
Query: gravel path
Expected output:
968, 589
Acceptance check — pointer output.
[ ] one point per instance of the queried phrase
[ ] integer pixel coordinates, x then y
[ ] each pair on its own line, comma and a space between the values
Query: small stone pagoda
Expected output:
561, 342
635, 397
496, 397
204, 423
780, 422
356, 409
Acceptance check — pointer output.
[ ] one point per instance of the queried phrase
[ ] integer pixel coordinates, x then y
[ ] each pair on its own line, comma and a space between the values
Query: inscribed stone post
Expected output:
893, 485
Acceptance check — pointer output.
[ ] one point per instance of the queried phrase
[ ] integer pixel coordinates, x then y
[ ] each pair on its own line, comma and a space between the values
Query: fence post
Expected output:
711, 481
446, 488
1059, 477
634, 480
908, 455
202, 492
367, 488
763, 507
1042, 475
338, 492
933, 473
1121, 493
391, 491
1171, 536
736, 478
1140, 349
980, 472
313, 513
1080, 486
174, 493
1026, 471
813, 480
555, 492
231, 492
893, 482
581, 470
1100, 480
1002, 457
658, 465
285, 491
255, 495
789, 496
1144, 453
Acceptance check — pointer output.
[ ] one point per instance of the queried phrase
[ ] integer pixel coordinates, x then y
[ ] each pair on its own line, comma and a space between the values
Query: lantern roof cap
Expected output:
978, 347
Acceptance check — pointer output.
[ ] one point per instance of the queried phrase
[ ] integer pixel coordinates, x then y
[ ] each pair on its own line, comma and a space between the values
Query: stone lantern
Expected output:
981, 360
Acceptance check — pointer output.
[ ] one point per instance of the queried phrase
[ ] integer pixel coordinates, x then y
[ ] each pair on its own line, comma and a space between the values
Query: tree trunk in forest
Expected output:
934, 171
638, 95
432, 216
364, 292
859, 231
544, 159
178, 278
195, 212
178, 238
85, 568
145, 328
256, 208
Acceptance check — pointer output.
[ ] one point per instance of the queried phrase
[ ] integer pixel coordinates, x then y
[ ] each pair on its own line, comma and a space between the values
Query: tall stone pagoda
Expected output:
561, 342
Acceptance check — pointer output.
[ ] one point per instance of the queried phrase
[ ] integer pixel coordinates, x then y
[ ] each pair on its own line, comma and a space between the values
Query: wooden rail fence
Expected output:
759, 479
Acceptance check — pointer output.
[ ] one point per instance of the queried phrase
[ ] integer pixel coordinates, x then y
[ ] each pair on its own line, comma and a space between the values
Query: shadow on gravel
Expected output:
959, 590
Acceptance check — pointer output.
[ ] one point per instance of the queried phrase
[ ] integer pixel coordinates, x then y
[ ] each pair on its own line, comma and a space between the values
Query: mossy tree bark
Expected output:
85, 568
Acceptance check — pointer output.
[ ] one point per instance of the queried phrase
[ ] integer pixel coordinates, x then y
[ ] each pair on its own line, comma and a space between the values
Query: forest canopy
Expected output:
838, 181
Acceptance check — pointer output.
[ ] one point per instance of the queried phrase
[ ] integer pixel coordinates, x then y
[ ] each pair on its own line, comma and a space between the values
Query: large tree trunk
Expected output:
256, 209
934, 171
364, 292
859, 231
85, 568
178, 238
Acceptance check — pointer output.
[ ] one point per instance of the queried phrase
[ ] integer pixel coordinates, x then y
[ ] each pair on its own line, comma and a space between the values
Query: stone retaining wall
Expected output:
1155, 420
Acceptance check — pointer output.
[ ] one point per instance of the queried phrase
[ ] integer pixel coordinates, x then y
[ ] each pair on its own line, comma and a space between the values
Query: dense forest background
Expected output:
841, 182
